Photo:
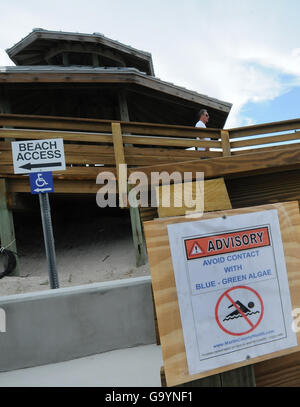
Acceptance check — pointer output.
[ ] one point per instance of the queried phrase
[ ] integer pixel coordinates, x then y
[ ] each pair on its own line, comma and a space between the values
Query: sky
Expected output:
246, 52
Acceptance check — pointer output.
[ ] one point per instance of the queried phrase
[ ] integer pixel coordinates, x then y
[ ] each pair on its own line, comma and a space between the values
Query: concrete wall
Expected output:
67, 323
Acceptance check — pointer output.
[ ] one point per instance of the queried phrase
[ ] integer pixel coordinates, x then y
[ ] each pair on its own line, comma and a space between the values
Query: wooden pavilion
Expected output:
91, 76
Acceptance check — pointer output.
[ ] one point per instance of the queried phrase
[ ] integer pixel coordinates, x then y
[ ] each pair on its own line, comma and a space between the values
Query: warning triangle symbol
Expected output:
196, 249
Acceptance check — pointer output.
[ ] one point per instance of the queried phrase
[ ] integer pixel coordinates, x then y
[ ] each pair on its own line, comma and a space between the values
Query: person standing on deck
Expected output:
203, 120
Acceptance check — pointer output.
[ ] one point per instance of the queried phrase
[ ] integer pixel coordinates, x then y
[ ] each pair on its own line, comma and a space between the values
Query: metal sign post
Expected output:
41, 183
49, 240
37, 158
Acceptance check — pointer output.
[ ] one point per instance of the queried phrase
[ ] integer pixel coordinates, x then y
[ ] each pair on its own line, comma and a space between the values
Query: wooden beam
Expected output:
41, 134
96, 125
171, 142
164, 135
264, 128
225, 143
118, 146
266, 140
262, 149
123, 107
55, 123
137, 235
7, 230
279, 160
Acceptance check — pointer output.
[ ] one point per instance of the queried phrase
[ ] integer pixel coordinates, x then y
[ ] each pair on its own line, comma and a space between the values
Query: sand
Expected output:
92, 245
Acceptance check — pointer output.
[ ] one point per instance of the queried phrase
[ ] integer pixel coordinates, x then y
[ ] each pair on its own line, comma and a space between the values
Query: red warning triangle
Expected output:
196, 249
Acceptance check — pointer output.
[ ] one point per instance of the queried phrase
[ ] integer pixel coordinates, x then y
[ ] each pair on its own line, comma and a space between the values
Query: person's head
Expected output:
203, 116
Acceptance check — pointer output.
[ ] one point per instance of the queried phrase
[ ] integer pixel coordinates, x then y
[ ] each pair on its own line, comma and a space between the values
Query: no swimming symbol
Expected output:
239, 310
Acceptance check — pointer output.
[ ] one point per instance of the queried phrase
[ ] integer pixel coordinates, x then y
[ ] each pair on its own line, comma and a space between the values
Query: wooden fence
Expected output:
92, 146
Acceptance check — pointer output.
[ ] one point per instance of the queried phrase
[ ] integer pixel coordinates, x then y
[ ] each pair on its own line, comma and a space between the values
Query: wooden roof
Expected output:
48, 59
43, 47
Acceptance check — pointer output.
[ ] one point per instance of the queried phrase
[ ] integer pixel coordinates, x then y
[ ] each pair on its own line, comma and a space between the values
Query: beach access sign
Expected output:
38, 156
232, 288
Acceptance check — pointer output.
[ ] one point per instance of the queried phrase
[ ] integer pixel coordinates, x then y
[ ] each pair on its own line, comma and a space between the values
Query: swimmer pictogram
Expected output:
243, 318
241, 307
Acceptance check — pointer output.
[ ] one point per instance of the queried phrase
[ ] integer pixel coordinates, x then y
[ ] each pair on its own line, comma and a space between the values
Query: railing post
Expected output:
7, 230
225, 140
136, 225
137, 234
120, 159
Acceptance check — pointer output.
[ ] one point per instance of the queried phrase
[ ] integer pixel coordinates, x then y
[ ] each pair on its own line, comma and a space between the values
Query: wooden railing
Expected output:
263, 137
89, 144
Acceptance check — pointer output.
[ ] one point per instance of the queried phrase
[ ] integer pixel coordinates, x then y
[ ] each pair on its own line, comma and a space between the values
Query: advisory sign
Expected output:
232, 288
38, 156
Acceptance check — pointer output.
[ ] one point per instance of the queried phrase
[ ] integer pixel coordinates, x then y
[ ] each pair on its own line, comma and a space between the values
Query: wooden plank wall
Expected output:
264, 188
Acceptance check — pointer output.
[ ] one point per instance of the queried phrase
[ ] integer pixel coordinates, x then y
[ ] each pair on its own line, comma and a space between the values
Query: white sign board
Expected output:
38, 156
232, 288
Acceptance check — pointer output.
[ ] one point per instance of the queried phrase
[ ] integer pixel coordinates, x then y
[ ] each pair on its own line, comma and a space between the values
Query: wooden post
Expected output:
4, 101
7, 231
95, 60
137, 235
225, 140
123, 106
65, 57
241, 377
5, 108
136, 225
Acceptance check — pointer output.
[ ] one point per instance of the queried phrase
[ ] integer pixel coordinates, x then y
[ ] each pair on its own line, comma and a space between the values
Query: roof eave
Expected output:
123, 75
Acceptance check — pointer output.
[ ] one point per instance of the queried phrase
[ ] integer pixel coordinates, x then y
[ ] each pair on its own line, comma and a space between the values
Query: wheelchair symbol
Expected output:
40, 181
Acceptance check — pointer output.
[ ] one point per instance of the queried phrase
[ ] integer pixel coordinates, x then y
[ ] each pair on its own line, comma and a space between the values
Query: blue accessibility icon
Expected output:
41, 182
